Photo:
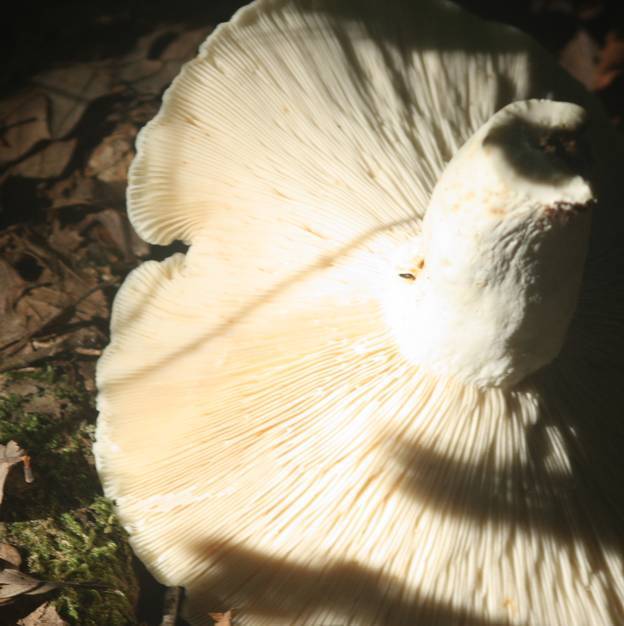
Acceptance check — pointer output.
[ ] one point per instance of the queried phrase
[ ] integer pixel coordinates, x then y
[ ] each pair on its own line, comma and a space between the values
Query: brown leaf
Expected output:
44, 615
76, 189
64, 240
11, 286
185, 45
42, 304
111, 158
87, 373
14, 583
10, 554
49, 162
23, 123
10, 455
580, 57
120, 232
150, 76
12, 328
147, 76
611, 62
12, 324
71, 89
72, 190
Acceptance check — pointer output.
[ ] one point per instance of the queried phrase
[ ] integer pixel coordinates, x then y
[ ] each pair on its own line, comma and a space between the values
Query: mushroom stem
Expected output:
496, 271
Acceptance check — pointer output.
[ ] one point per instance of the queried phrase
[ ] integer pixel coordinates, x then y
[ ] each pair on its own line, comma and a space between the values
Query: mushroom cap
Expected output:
267, 444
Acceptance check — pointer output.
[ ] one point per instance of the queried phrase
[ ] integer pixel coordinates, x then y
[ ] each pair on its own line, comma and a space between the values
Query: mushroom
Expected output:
383, 386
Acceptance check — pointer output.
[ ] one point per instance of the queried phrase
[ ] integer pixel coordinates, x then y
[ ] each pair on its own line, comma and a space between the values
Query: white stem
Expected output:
498, 265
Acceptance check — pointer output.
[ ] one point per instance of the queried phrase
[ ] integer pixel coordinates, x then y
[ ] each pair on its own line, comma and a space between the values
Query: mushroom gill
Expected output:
378, 389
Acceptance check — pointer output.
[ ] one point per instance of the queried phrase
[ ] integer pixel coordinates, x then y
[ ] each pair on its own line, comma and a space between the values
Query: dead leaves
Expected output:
14, 584
41, 127
579, 57
70, 90
11, 455
9, 555
611, 63
49, 162
598, 65
594, 54
44, 615
110, 160
68, 139
49, 304
24, 124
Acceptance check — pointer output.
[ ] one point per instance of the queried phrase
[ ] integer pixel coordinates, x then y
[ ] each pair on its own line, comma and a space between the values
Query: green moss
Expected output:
83, 545
62, 525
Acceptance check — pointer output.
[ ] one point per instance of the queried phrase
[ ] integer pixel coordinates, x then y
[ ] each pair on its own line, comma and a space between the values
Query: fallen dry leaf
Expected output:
64, 240
10, 455
148, 76
611, 61
111, 158
44, 615
39, 306
72, 190
185, 45
14, 584
23, 123
70, 90
49, 162
580, 58
9, 554
11, 286
119, 231
12, 324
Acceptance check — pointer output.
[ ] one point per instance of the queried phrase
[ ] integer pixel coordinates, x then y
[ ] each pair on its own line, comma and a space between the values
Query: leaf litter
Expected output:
11, 454
15, 583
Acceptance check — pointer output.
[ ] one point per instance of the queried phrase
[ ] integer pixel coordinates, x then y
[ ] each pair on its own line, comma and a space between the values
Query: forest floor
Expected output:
80, 81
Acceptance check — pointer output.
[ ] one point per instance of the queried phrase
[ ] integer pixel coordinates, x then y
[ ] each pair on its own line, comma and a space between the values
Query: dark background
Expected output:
46, 33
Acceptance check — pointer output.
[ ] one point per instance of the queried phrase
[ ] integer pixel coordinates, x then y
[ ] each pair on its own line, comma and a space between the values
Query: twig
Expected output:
21, 361
88, 585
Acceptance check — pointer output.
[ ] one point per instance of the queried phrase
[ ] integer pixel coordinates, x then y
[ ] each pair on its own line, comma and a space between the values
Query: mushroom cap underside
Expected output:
267, 445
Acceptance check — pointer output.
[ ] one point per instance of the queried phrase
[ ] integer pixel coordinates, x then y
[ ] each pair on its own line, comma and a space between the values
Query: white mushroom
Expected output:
358, 399
501, 253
